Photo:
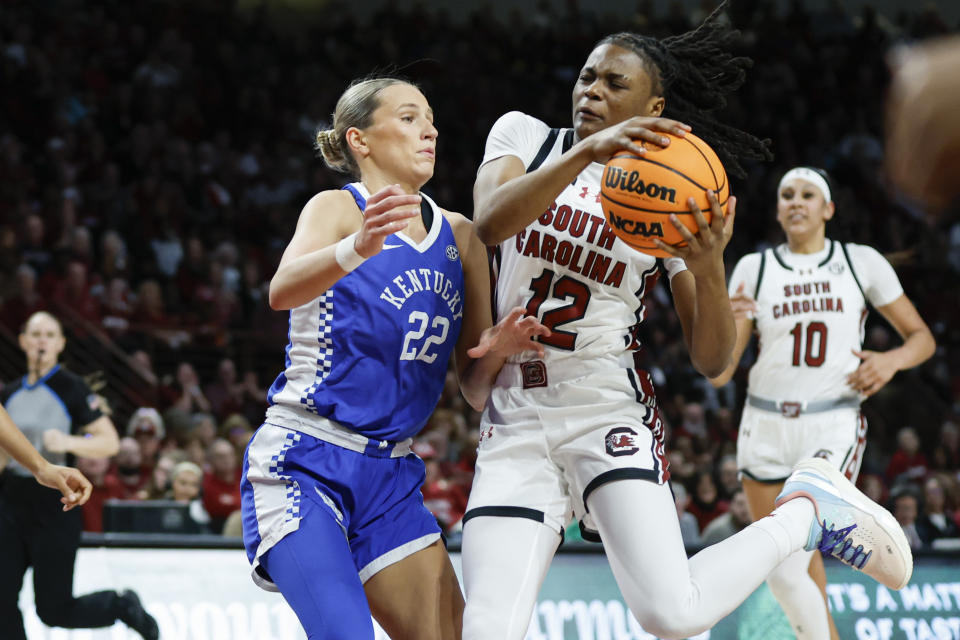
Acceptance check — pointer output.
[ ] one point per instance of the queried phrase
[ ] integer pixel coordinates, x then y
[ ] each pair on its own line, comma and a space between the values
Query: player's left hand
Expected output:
875, 370
71, 483
55, 441
513, 334
703, 253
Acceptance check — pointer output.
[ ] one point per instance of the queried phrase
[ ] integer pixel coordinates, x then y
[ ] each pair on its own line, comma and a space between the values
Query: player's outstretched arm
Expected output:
70, 482
481, 348
76, 489
878, 367
514, 334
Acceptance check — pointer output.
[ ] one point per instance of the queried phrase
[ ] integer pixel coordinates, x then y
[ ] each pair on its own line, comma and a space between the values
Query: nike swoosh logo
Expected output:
392, 246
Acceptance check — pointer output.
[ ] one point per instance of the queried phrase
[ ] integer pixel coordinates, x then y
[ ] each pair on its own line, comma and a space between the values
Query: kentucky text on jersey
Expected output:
413, 281
594, 265
807, 305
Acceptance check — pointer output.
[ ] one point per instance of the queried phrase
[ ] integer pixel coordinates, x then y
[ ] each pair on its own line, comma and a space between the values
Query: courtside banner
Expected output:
207, 594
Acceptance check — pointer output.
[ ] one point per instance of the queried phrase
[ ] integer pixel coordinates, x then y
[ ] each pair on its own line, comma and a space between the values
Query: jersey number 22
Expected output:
412, 350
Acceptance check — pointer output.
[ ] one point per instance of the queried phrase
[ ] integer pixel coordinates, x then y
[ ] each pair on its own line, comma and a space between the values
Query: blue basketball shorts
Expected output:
372, 494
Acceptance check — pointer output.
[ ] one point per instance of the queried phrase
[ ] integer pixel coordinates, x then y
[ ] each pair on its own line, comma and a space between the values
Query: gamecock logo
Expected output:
621, 441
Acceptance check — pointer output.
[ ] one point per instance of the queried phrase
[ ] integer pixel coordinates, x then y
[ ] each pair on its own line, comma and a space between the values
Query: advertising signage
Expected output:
207, 594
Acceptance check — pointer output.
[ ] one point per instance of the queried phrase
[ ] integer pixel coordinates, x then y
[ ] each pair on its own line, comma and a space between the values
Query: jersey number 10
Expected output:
816, 337
414, 351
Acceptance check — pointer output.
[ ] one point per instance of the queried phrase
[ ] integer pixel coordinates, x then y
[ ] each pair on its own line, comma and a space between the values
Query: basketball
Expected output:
638, 193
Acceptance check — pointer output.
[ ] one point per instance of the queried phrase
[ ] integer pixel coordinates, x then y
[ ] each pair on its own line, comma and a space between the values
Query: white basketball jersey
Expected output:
811, 311
568, 268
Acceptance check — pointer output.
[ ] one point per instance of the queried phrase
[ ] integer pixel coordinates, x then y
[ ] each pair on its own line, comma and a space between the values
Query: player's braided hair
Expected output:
694, 71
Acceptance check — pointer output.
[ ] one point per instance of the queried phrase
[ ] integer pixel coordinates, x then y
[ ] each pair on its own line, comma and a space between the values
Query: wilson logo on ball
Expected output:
631, 182
634, 227
640, 192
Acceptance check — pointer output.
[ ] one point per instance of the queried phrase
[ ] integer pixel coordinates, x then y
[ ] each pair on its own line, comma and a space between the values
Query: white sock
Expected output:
789, 525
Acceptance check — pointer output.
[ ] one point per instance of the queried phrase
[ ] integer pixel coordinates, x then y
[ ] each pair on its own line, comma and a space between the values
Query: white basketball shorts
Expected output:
545, 448
770, 444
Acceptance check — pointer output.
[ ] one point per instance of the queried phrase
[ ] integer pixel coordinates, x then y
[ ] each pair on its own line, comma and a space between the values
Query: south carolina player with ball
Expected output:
578, 431
807, 300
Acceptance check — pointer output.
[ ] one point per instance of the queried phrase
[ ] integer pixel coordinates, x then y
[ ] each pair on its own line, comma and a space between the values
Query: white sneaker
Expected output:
848, 525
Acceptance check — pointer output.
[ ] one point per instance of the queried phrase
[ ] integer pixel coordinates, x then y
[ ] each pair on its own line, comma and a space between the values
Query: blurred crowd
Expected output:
154, 157
188, 458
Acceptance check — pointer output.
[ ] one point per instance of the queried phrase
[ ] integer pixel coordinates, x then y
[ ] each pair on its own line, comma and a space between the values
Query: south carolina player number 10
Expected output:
816, 338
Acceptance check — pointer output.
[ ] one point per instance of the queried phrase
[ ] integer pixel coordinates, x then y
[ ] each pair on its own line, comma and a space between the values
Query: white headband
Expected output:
810, 176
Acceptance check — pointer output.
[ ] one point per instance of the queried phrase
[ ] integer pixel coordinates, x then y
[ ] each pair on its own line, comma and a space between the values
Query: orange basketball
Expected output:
638, 193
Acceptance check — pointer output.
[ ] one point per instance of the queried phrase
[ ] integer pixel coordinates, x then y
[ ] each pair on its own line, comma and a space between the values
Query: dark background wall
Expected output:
459, 9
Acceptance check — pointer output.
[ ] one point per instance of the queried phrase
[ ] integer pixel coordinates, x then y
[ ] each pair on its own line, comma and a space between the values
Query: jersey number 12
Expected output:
565, 288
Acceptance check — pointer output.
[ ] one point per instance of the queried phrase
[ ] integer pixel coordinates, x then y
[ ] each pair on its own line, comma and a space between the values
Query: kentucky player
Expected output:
807, 300
382, 286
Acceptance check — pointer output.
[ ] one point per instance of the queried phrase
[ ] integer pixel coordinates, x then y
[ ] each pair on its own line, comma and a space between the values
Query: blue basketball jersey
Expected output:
371, 353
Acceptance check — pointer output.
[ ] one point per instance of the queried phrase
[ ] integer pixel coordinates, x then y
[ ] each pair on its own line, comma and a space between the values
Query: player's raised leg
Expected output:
819, 509
670, 596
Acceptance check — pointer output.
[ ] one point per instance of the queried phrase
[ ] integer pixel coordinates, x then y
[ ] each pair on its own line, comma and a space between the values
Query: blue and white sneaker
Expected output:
850, 526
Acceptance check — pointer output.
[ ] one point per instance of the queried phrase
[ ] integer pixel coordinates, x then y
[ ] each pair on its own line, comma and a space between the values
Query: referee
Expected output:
59, 414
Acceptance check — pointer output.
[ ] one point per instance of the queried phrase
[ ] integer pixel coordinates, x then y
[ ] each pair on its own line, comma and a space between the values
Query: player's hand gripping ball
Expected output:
638, 193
